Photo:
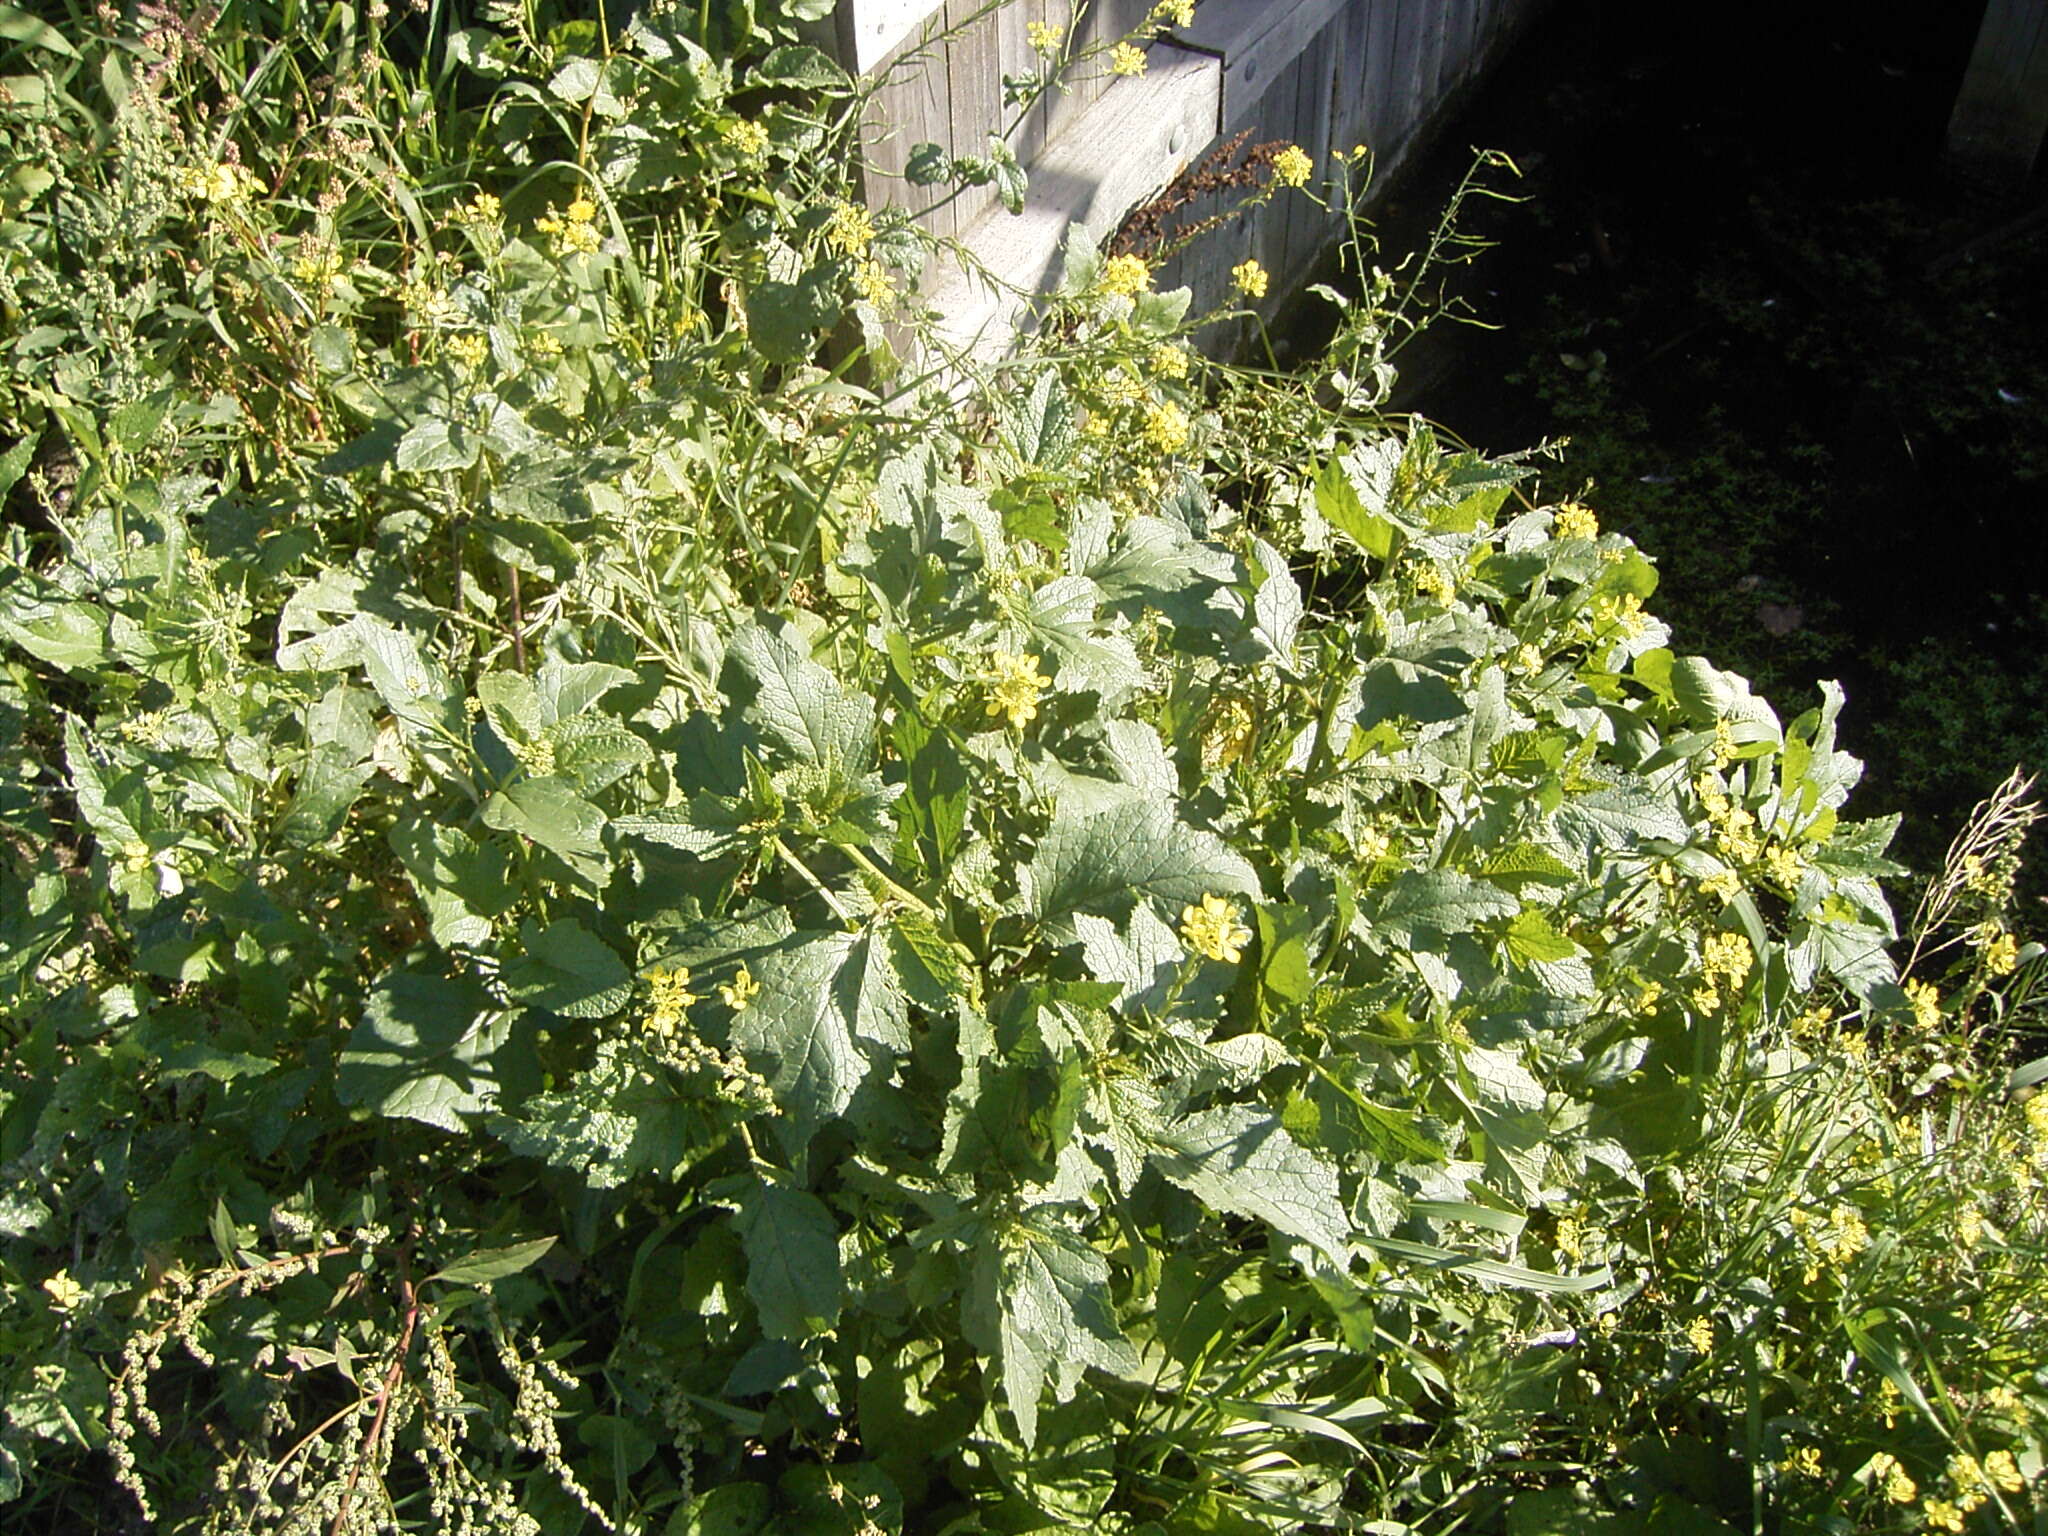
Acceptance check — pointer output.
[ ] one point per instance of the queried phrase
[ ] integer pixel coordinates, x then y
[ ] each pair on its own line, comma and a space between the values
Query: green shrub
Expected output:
605, 927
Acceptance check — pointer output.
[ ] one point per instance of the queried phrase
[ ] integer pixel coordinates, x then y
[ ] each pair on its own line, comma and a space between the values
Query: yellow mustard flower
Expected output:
1169, 361
1166, 427
1926, 1003
222, 182
671, 996
469, 349
2003, 1471
2002, 955
1727, 957
574, 231
1212, 929
740, 991
65, 1293
1125, 275
1886, 1473
1250, 279
851, 230
1622, 611
1181, 13
1699, 1333
1127, 59
1804, 1462
872, 281
1786, 864
1292, 167
1941, 1515
1573, 521
1015, 684
1122, 387
1045, 37
744, 138
481, 209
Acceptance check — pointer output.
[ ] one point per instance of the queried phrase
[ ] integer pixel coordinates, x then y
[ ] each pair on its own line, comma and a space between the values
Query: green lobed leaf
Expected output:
1240, 1159
792, 1248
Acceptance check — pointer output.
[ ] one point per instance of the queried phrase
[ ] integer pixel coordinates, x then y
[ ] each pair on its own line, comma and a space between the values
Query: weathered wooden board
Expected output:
2001, 115
1256, 39
871, 30
1136, 137
1326, 74
909, 108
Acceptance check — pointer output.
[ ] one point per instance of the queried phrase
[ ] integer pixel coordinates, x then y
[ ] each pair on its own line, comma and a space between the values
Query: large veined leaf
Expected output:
569, 970
422, 1049
792, 1247
1240, 1159
831, 1014
1060, 623
797, 706
1438, 901
1054, 1318
621, 1116
1619, 817
551, 813
1104, 859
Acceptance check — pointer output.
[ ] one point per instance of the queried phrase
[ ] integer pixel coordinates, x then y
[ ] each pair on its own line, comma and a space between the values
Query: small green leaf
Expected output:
488, 1264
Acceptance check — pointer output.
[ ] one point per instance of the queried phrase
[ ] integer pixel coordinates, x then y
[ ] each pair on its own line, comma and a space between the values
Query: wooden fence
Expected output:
1324, 74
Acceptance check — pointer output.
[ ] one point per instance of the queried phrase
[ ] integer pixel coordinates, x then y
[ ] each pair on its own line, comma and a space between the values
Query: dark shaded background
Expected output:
1798, 359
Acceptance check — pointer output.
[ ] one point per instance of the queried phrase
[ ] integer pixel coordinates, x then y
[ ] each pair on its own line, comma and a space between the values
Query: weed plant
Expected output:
606, 924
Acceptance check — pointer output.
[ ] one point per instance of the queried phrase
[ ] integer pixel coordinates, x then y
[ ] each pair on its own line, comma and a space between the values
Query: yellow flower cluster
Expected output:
1727, 958
1699, 1333
317, 262
1169, 361
744, 138
1431, 581
1972, 1482
1292, 167
1926, 1003
871, 280
1045, 37
1573, 521
2001, 953
1212, 929
1166, 427
851, 230
1014, 684
1229, 736
65, 1293
470, 349
481, 209
1181, 13
1621, 611
1836, 1241
1127, 276
740, 991
671, 996
1250, 279
220, 183
1804, 1462
1785, 864
1886, 1473
1127, 59
574, 230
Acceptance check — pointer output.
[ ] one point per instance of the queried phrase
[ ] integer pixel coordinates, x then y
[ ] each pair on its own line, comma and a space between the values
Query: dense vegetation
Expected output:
615, 914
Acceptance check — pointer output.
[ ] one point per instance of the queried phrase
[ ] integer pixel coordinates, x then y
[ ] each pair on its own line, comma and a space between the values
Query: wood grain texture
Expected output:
1137, 136
2001, 114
